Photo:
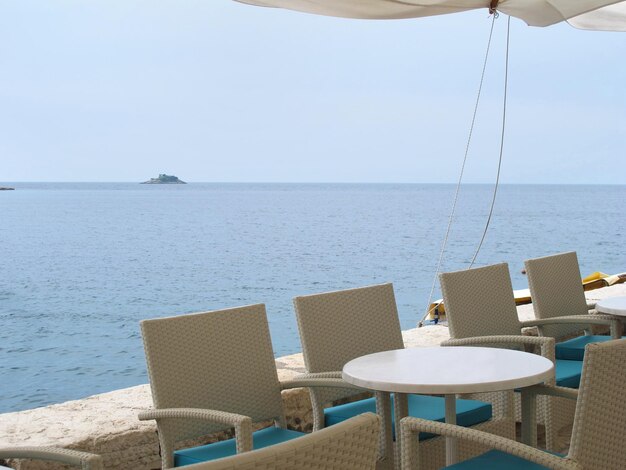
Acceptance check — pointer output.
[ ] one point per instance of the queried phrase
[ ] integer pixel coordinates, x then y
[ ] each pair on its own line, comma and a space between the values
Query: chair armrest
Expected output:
546, 343
215, 416
316, 382
410, 444
331, 379
324, 387
241, 423
335, 374
85, 460
595, 319
553, 391
498, 339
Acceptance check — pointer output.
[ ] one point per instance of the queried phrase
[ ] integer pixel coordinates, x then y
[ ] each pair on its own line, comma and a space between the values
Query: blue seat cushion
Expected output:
574, 349
568, 373
263, 438
468, 412
496, 460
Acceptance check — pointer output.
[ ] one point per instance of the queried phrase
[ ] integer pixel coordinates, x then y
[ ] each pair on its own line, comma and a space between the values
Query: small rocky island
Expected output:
6, 188
164, 179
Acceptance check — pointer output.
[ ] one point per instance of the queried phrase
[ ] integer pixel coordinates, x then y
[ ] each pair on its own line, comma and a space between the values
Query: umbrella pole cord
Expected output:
495, 188
458, 185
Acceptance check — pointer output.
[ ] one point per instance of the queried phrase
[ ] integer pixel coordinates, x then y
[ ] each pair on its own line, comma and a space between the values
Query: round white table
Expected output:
446, 371
612, 306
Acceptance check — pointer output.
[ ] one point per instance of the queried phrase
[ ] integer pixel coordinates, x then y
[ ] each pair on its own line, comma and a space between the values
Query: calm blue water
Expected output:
81, 264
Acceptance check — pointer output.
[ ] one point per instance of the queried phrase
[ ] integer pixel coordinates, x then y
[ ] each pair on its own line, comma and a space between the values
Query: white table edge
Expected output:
432, 389
601, 306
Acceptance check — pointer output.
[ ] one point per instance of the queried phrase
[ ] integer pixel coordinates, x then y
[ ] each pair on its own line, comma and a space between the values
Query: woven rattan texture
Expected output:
221, 360
556, 291
350, 445
480, 302
599, 428
599, 433
84, 460
336, 327
433, 451
412, 448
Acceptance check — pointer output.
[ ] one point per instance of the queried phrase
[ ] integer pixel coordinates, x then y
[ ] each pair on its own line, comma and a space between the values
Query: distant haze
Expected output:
213, 90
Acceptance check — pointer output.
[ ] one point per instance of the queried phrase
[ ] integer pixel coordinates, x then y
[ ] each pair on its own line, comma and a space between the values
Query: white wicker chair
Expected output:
84, 460
336, 327
599, 428
557, 294
351, 445
211, 372
480, 309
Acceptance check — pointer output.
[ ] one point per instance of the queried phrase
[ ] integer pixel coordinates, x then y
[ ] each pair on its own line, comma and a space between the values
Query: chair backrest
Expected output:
220, 360
349, 445
83, 460
600, 424
480, 302
556, 290
336, 327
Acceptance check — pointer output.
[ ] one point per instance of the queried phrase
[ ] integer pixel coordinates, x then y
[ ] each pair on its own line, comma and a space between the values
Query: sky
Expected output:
218, 91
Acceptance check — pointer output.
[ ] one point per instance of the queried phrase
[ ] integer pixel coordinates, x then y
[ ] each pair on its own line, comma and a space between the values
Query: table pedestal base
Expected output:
400, 410
452, 452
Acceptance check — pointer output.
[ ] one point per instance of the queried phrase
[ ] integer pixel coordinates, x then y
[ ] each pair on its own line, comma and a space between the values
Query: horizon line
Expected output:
317, 182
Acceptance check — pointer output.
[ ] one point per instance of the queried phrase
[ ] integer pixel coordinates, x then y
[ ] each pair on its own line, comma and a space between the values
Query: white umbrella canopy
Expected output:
601, 15
533, 12
609, 18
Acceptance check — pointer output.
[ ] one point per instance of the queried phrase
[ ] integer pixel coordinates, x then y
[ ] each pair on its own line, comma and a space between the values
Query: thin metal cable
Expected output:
458, 186
495, 189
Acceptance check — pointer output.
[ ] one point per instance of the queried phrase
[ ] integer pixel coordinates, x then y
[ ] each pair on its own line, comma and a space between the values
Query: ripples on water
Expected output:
83, 263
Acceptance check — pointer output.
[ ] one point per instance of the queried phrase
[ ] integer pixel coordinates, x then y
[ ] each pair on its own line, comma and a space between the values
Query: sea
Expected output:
82, 263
